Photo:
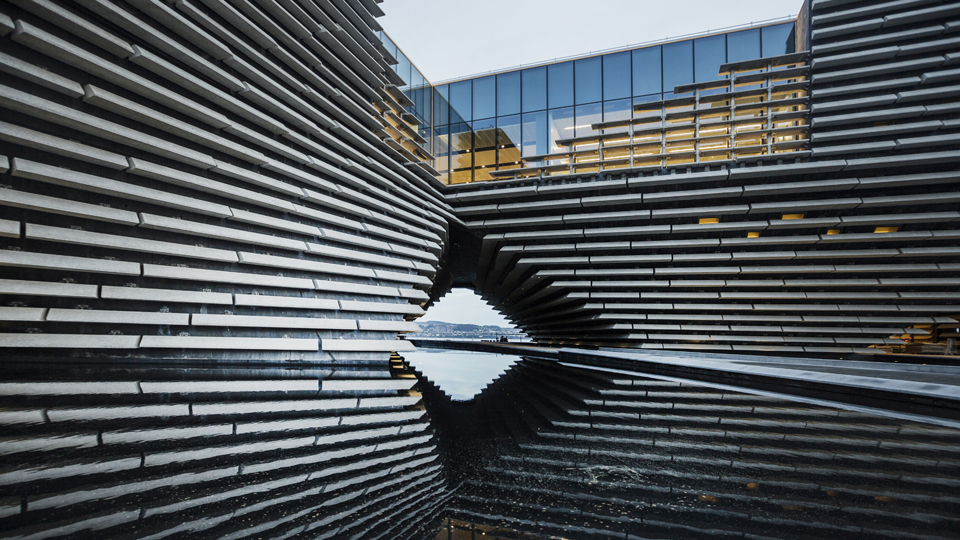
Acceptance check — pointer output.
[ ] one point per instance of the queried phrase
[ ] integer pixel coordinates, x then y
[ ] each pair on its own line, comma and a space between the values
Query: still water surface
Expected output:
544, 451
460, 374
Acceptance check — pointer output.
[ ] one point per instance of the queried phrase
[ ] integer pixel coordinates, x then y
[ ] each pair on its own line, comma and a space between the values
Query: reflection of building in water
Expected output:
460, 530
200, 452
555, 450
347, 451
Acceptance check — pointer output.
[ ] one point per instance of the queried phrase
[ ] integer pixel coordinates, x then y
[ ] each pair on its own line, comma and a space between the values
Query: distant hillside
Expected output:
445, 329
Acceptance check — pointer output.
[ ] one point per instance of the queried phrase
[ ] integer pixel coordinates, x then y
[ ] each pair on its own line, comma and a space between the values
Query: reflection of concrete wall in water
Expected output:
199, 452
195, 196
236, 184
553, 450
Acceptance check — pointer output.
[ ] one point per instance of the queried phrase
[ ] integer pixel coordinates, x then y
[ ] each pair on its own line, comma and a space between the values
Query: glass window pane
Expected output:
589, 80
461, 156
461, 137
647, 99
743, 45
441, 148
389, 45
485, 142
416, 78
586, 116
560, 85
677, 64
646, 71
424, 131
534, 89
508, 93
485, 97
561, 127
416, 93
616, 75
460, 101
416, 96
709, 54
508, 139
441, 108
617, 110
778, 40
403, 68
535, 133
485, 134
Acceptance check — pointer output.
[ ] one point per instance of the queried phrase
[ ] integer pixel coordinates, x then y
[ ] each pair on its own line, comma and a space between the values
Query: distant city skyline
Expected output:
466, 307
472, 38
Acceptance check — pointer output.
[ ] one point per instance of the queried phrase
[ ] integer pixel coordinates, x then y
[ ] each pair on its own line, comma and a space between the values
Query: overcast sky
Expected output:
464, 306
446, 39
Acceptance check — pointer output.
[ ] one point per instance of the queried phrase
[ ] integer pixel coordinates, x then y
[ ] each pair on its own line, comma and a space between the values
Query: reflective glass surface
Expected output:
588, 80
647, 99
646, 71
441, 105
388, 44
508, 140
534, 87
778, 39
484, 147
677, 64
441, 148
485, 97
617, 110
587, 115
560, 85
744, 45
561, 126
647, 74
403, 67
508, 93
535, 135
616, 76
461, 156
461, 101
709, 54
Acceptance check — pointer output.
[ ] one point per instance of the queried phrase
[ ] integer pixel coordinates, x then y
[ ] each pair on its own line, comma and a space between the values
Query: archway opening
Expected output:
462, 315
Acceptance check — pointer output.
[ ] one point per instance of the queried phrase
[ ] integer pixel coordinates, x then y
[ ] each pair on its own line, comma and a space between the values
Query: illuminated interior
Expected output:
704, 99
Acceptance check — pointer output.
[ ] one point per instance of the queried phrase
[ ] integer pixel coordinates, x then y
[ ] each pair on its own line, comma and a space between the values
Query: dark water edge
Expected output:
544, 451
132, 451
557, 451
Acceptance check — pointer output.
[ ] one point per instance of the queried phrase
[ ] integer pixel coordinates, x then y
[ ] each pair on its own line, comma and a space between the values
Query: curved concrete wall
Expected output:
210, 243
207, 179
709, 256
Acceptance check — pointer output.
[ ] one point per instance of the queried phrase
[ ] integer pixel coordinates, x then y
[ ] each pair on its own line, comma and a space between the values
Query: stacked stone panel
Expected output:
207, 178
212, 235
848, 244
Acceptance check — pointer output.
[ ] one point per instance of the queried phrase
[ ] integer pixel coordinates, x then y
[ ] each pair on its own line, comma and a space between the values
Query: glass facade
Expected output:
475, 126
